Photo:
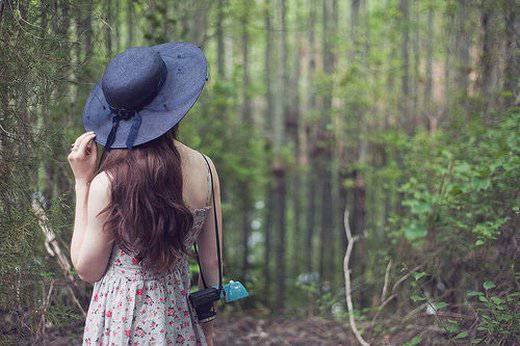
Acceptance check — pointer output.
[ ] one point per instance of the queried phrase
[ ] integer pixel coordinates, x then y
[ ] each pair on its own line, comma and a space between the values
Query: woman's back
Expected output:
132, 304
196, 178
138, 213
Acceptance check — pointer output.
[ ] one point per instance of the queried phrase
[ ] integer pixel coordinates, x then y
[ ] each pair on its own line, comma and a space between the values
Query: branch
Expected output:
394, 294
46, 303
53, 248
1, 10
348, 289
385, 285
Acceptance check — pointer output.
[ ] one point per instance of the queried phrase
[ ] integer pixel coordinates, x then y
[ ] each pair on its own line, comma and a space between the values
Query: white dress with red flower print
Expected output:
132, 307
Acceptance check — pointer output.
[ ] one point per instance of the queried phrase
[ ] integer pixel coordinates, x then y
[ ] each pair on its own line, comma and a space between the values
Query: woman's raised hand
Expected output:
83, 157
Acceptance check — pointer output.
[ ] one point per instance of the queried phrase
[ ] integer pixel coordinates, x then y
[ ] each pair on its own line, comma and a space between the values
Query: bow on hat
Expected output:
127, 114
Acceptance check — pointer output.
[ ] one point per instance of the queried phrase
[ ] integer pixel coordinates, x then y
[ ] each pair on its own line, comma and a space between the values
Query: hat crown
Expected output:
133, 78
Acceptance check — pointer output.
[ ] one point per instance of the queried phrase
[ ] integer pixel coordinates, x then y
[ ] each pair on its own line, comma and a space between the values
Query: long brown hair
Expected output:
147, 214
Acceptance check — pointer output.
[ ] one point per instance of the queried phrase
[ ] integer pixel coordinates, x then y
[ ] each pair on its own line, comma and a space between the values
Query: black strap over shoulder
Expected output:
216, 233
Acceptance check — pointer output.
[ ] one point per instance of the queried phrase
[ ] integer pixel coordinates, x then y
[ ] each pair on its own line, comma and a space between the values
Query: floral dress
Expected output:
132, 307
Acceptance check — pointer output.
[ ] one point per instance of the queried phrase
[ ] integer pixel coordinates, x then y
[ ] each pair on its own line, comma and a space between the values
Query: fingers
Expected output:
85, 140
79, 139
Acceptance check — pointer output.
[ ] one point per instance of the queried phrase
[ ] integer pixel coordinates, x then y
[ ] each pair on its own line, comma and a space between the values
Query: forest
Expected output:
368, 154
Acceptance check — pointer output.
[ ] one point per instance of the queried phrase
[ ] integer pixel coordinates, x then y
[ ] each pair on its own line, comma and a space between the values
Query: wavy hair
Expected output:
147, 214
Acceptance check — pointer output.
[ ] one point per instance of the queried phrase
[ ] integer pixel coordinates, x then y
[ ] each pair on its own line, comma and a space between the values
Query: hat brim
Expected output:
185, 80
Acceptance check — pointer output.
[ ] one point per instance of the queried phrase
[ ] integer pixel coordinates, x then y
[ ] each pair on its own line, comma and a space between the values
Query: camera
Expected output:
203, 303
203, 300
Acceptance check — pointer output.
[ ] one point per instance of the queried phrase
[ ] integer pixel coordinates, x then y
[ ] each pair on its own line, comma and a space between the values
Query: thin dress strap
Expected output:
209, 183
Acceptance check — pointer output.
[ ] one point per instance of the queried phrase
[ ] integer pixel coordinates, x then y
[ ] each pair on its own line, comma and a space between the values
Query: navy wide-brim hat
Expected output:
144, 92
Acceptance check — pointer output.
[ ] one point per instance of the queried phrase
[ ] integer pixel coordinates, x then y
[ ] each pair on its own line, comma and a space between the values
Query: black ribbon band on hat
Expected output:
126, 114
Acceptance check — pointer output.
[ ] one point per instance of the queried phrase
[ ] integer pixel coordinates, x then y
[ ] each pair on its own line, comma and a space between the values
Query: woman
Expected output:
149, 201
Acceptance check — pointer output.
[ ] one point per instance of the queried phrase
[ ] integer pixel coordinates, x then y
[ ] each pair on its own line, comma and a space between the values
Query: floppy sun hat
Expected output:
144, 92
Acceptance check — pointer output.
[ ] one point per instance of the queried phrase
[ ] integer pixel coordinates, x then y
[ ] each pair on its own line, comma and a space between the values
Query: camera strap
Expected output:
220, 287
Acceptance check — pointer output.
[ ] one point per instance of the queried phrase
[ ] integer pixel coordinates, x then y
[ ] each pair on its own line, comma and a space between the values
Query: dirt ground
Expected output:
247, 331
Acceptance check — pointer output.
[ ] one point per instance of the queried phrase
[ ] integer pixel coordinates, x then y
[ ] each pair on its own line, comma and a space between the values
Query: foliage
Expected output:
430, 176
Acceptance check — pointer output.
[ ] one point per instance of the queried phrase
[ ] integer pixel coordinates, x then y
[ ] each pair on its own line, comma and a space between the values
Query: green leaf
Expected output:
418, 275
479, 242
488, 285
483, 299
452, 327
414, 232
416, 340
461, 335
474, 293
440, 305
415, 298
497, 300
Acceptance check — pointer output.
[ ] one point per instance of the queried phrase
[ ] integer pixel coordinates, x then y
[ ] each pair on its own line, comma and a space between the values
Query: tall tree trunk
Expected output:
512, 58
279, 168
63, 92
430, 114
325, 141
405, 65
486, 81
359, 58
448, 62
268, 127
130, 13
293, 128
416, 64
117, 24
245, 186
220, 40
462, 44
108, 27
311, 136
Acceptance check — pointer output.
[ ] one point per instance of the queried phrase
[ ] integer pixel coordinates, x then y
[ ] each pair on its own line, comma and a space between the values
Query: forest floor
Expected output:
248, 331
276, 330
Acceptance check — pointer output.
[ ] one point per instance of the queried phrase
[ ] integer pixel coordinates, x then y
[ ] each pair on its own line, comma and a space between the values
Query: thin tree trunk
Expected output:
325, 141
462, 43
279, 169
428, 85
416, 63
108, 27
310, 129
117, 24
512, 58
245, 188
268, 125
293, 128
130, 23
405, 65
220, 40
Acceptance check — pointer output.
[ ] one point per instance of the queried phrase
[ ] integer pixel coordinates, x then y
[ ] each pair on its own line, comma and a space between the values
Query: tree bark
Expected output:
512, 59
279, 168
428, 85
268, 127
130, 23
311, 147
462, 44
325, 142
246, 193
108, 27
220, 40
293, 129
405, 66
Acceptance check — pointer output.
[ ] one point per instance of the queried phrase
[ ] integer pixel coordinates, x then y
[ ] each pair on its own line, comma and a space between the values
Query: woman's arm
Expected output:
80, 219
208, 248
94, 251
90, 246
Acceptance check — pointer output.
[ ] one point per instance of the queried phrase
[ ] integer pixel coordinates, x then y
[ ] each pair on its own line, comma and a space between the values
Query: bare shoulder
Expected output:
195, 156
100, 185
